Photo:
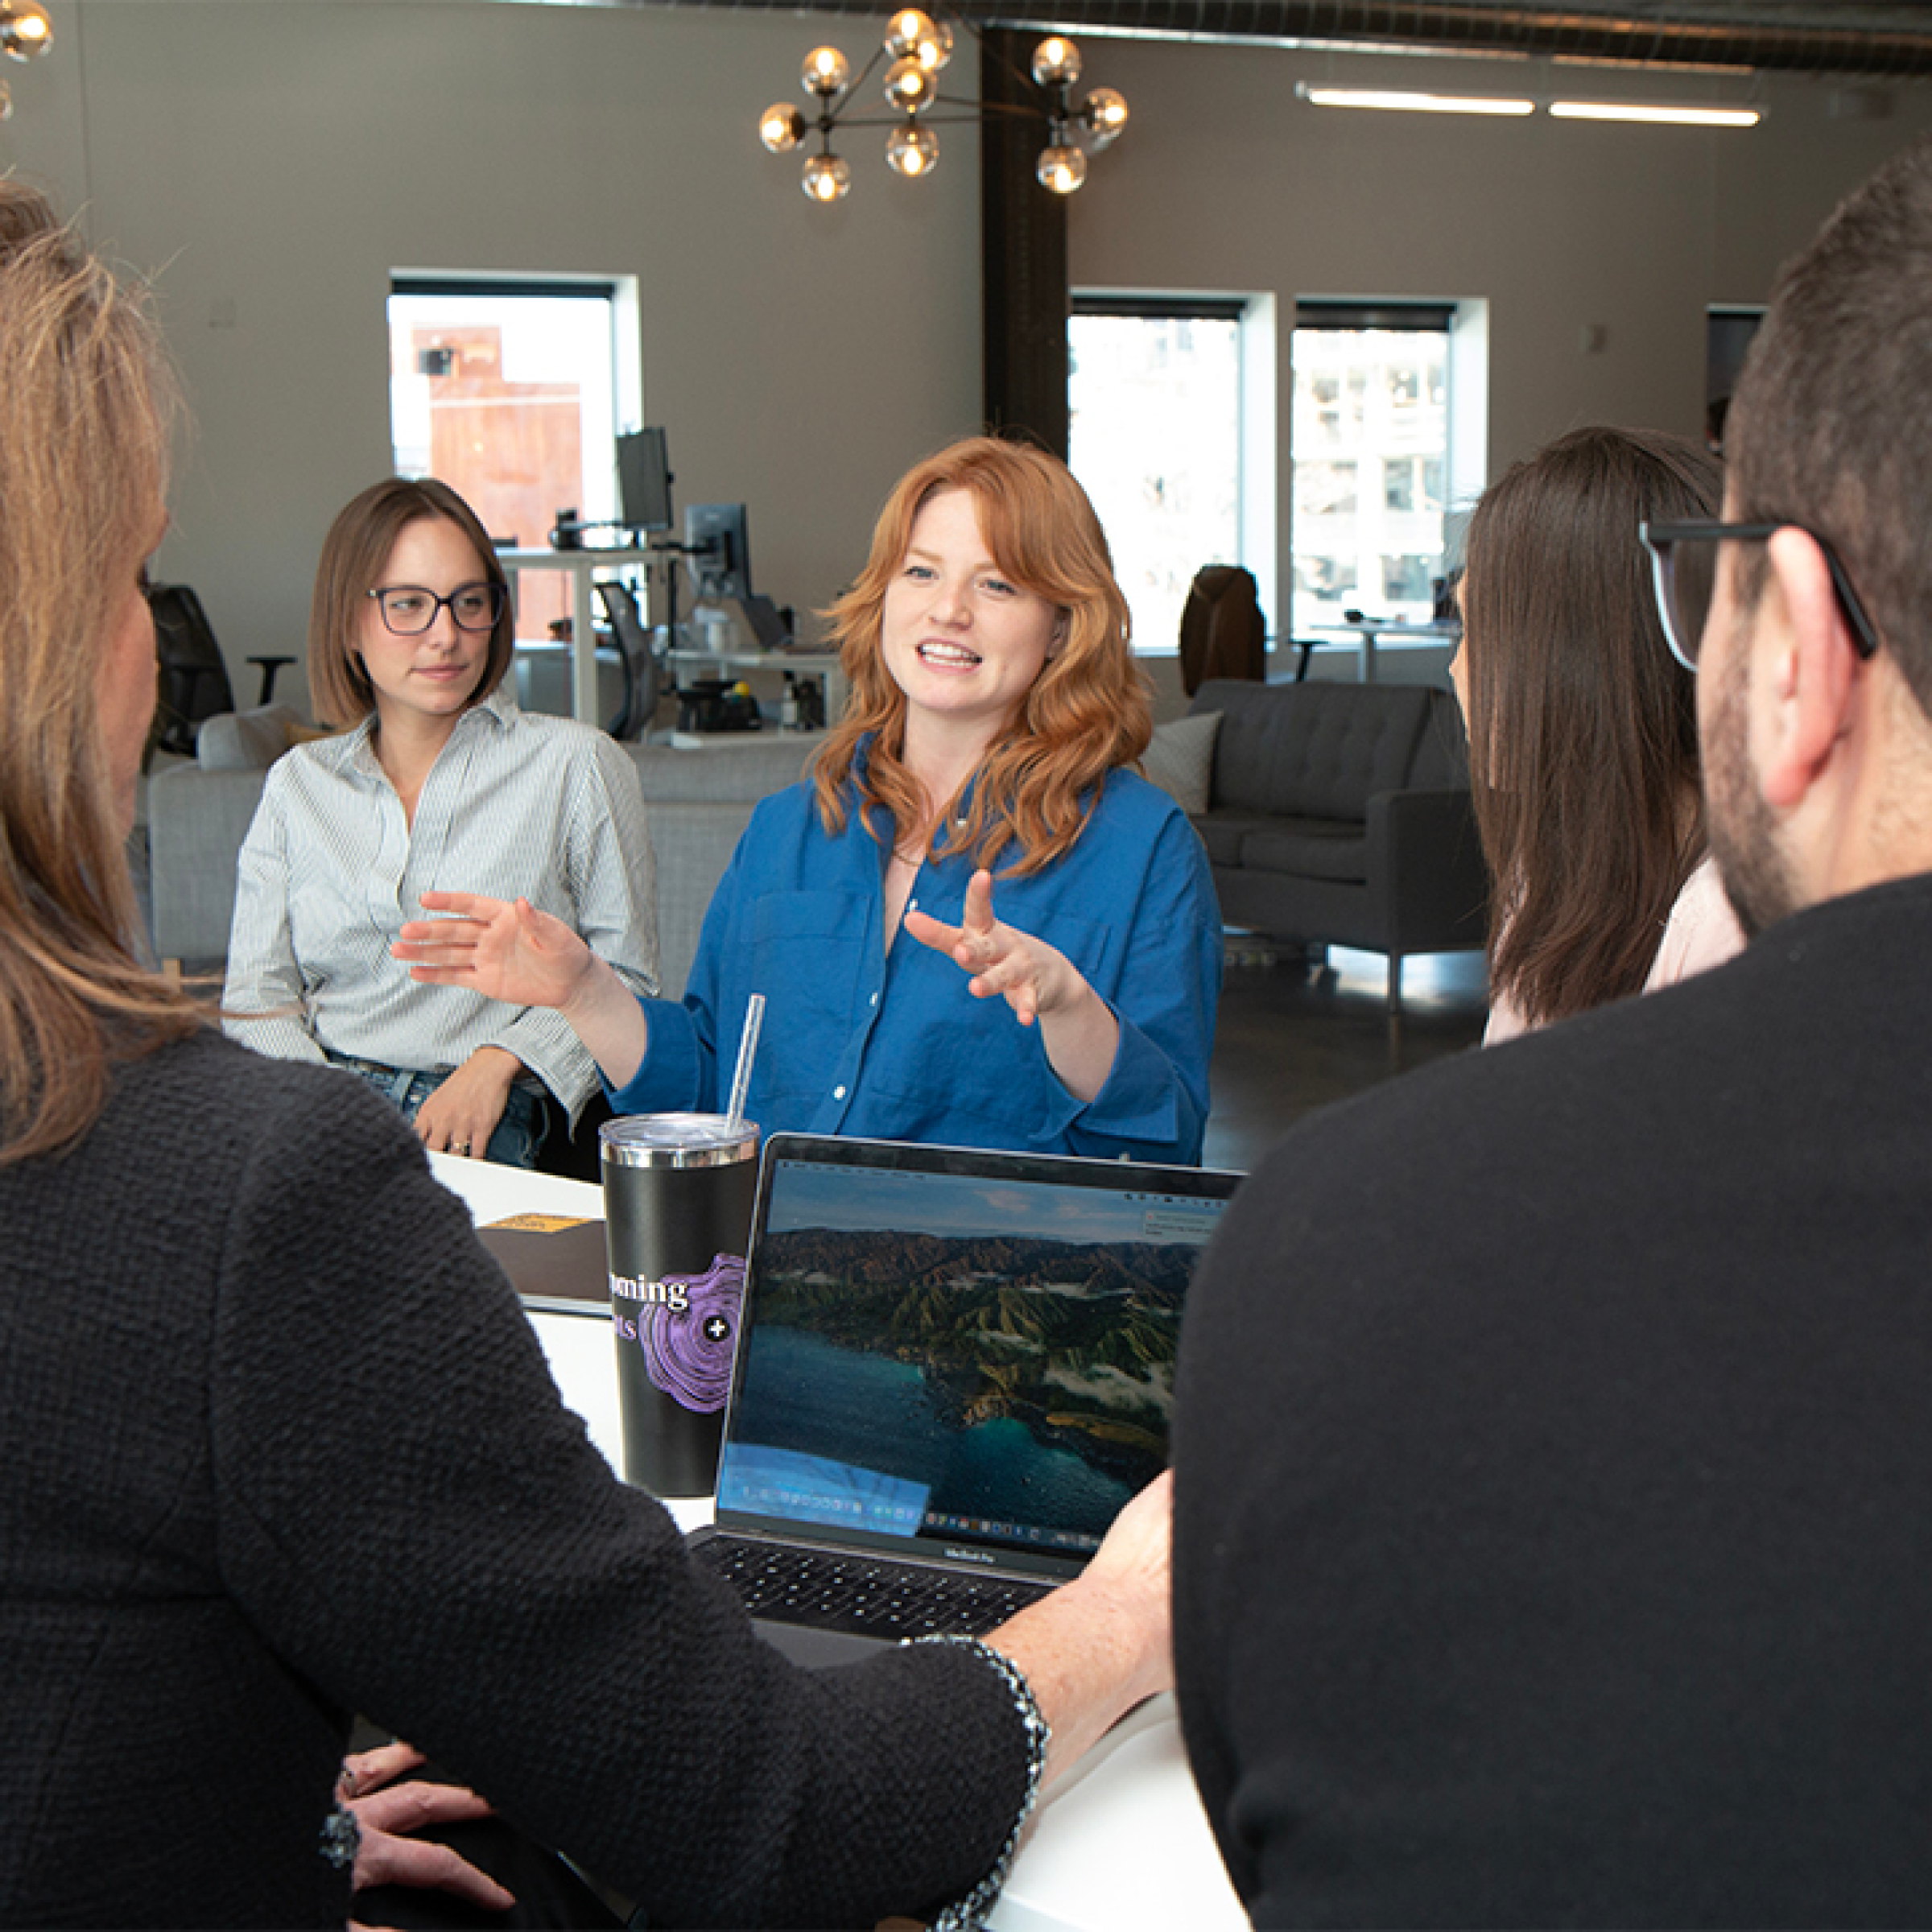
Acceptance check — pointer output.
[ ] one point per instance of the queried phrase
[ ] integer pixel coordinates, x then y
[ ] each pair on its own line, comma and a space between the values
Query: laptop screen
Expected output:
975, 1346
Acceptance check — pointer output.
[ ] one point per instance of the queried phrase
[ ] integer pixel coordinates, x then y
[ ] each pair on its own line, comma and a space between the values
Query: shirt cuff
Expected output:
968, 1914
1142, 1103
672, 1078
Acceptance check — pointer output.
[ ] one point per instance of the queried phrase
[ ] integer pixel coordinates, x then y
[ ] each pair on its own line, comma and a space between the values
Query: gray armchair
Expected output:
1340, 814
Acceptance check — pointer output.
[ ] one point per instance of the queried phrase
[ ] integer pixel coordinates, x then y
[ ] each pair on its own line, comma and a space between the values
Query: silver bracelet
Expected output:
968, 1914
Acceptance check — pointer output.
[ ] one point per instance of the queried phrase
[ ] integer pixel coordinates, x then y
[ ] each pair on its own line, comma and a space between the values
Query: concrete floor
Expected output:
1293, 1037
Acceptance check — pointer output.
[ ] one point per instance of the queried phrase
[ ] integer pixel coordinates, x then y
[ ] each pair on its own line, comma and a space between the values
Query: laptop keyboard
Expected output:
869, 1596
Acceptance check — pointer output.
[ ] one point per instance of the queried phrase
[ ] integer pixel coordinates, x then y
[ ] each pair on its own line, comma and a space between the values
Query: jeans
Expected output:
513, 1144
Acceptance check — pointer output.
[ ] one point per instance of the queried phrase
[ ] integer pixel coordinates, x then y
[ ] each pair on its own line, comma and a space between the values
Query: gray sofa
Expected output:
698, 801
1339, 813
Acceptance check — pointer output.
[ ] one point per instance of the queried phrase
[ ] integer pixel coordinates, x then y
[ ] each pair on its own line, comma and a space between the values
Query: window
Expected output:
1167, 396
512, 392
1371, 452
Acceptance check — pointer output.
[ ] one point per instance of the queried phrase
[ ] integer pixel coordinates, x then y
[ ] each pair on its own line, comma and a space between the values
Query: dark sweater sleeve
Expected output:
410, 1515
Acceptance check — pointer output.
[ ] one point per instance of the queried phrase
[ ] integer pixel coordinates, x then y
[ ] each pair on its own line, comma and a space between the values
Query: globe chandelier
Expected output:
916, 47
25, 32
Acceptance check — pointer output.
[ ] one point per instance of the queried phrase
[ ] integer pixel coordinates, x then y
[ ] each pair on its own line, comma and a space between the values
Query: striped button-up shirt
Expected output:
543, 807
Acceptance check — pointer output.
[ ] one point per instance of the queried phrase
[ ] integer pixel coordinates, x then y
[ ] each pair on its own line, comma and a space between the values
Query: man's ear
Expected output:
1814, 672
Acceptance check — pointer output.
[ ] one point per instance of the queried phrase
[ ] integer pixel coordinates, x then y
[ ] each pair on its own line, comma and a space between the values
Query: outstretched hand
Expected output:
506, 950
1033, 978
503, 948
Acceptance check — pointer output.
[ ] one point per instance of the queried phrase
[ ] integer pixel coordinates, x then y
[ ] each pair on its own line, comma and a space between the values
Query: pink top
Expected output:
1702, 932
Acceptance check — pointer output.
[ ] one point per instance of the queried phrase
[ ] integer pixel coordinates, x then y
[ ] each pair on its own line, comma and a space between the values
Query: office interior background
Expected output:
274, 163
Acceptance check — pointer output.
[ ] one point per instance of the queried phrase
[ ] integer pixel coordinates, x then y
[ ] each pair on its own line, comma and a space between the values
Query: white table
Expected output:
582, 566
1121, 1846
1386, 633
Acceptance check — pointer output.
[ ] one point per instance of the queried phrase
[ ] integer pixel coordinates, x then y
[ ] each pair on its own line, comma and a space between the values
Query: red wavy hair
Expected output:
1087, 712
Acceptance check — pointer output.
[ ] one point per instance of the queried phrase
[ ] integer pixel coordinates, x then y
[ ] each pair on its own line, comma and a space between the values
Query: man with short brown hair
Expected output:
1552, 1471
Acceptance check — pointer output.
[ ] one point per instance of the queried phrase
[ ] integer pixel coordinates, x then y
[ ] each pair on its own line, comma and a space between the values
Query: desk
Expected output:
1122, 1845
1387, 634
582, 566
804, 663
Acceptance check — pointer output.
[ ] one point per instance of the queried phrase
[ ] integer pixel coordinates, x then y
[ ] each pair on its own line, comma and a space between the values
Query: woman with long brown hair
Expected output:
976, 798
1582, 731
278, 1445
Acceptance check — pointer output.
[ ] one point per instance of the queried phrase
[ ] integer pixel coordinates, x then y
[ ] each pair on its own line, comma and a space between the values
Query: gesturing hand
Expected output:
504, 948
1077, 1026
1033, 978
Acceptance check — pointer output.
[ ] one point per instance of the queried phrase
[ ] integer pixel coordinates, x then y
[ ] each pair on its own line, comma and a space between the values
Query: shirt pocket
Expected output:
806, 954
978, 1061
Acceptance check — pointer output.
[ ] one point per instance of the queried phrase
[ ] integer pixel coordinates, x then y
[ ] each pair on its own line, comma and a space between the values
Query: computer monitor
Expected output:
644, 479
715, 544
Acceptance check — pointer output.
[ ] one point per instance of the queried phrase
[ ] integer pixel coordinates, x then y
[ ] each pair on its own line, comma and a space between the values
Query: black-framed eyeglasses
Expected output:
409, 611
1683, 566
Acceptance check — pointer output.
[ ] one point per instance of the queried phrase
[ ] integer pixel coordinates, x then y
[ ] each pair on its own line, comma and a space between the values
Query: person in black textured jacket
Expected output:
1552, 1474
277, 1443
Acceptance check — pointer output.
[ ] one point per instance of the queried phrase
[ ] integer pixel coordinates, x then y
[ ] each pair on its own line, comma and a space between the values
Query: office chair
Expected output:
194, 680
1223, 632
643, 674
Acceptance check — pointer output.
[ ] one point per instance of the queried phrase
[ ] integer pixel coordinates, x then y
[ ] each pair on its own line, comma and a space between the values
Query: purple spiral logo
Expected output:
687, 1350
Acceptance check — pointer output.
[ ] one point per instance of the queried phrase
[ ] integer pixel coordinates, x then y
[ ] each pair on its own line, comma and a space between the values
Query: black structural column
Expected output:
1023, 252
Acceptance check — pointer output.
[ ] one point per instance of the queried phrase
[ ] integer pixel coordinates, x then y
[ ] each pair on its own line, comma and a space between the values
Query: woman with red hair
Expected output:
1060, 991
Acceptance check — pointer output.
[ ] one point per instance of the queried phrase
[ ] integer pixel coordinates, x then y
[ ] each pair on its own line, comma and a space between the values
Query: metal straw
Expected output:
748, 1048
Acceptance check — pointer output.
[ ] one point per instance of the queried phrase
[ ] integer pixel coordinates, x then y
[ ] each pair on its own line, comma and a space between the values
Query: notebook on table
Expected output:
954, 1367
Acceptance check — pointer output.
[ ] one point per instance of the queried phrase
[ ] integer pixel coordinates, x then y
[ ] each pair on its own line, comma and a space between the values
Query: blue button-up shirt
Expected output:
892, 1046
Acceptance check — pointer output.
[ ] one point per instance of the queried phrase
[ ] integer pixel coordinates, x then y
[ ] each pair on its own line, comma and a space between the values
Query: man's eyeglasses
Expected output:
1683, 565
409, 612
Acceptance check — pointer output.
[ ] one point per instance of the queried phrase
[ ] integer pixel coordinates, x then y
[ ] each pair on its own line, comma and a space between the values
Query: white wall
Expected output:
272, 162
273, 159
1225, 181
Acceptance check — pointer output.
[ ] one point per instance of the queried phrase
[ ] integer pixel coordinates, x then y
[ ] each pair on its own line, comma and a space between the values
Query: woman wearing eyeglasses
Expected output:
439, 779
1582, 731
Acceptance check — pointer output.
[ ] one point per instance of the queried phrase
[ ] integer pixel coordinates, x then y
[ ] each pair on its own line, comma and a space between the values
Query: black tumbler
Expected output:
678, 1193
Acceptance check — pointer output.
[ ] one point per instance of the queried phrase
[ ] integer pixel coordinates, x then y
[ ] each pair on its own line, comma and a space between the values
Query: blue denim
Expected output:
513, 1143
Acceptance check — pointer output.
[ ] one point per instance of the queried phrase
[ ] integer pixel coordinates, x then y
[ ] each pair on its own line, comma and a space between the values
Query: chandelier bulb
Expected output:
827, 177
914, 35
1103, 113
912, 151
1056, 62
780, 127
905, 32
828, 73
1061, 170
25, 29
936, 50
909, 86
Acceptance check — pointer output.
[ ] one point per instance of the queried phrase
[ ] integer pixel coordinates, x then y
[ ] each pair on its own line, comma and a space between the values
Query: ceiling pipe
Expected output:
1647, 38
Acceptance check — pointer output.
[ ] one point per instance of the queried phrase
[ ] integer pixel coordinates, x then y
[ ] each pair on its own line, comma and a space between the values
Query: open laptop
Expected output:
954, 1366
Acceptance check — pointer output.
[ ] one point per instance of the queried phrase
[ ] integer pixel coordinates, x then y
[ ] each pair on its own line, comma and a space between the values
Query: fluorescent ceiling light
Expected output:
1399, 101
1639, 111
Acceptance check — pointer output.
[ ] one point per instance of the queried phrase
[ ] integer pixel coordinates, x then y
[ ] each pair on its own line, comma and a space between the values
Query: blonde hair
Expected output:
85, 411
353, 553
1088, 711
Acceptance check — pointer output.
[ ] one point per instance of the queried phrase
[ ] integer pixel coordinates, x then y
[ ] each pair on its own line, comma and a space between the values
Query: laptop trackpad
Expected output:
817, 1649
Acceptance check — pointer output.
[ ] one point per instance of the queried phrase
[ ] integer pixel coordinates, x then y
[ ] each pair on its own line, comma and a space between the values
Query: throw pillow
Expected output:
1180, 760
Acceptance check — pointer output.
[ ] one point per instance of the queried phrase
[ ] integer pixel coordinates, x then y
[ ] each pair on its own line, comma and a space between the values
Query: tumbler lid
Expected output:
677, 1140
